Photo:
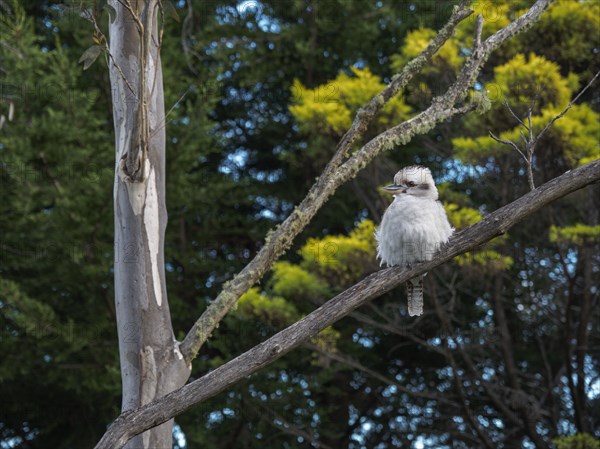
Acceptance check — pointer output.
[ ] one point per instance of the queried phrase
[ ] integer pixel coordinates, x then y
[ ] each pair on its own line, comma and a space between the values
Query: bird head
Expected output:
414, 180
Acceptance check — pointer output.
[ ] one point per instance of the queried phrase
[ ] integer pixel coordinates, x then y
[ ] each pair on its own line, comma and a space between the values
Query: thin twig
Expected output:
186, 27
551, 122
507, 104
530, 129
523, 137
508, 142
287, 427
478, 30
121, 73
349, 361
151, 24
136, 19
531, 141
164, 123
162, 25
99, 32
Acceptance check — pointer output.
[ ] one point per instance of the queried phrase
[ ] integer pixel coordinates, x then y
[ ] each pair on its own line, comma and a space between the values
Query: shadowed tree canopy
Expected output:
257, 96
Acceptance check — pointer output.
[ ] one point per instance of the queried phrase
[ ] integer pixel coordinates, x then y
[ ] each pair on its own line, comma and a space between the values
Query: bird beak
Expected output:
393, 188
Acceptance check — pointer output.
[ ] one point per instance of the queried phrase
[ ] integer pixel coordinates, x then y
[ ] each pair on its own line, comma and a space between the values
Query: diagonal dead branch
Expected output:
281, 238
156, 412
336, 173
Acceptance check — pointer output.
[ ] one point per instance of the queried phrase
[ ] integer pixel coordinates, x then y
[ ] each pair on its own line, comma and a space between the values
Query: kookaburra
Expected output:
413, 227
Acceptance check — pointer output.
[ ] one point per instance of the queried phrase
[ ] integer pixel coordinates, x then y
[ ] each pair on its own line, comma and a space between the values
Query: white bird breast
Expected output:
412, 230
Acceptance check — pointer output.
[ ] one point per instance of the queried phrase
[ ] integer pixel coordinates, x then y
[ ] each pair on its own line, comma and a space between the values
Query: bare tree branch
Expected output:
158, 411
279, 422
478, 31
531, 141
507, 104
508, 142
573, 101
336, 173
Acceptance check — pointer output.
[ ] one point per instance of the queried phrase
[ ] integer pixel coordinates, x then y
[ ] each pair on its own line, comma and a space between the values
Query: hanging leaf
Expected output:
169, 9
112, 12
90, 55
99, 5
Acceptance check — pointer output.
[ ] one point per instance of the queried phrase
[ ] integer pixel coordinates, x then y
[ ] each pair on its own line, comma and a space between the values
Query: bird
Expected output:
413, 227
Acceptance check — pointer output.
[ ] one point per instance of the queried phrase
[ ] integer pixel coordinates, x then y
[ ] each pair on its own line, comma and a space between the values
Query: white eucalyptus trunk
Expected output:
151, 364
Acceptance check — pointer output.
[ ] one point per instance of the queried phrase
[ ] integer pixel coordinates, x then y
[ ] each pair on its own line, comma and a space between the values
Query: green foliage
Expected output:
294, 282
269, 309
487, 258
576, 133
492, 261
56, 162
496, 15
578, 441
461, 217
567, 34
436, 75
536, 82
340, 259
24, 315
327, 263
523, 81
330, 108
579, 234
447, 58
473, 150
326, 340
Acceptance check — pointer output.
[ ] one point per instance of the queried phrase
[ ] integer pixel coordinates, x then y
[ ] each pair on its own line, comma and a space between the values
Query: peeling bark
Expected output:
151, 364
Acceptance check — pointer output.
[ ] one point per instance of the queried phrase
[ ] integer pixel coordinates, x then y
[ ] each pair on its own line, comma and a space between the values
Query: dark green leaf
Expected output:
169, 9
90, 55
112, 12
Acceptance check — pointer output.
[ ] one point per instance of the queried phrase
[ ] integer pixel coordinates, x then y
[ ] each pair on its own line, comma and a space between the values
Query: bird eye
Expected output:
410, 184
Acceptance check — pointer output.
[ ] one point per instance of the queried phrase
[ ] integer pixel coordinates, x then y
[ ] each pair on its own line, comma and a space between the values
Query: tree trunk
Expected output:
151, 364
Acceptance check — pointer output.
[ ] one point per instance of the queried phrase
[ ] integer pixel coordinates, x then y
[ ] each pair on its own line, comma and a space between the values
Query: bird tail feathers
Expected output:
414, 293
